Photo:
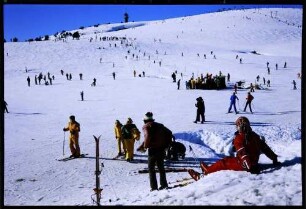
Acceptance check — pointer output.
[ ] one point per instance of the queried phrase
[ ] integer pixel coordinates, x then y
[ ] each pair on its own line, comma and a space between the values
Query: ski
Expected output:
71, 158
119, 157
182, 184
180, 180
232, 112
167, 170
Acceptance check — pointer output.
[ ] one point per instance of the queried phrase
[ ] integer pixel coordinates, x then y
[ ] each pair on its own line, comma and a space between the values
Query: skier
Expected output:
228, 77
294, 84
81, 76
249, 99
114, 75
285, 65
129, 139
173, 77
28, 79
5, 107
178, 84
74, 128
248, 146
264, 80
233, 102
268, 83
82, 95
94, 82
156, 141
118, 135
200, 110
252, 88
235, 88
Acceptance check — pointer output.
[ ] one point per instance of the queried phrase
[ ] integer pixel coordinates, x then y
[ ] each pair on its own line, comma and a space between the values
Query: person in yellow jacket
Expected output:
118, 135
74, 128
130, 133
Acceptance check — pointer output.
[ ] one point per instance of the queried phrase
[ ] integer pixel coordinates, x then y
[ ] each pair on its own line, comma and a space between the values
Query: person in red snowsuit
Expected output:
248, 146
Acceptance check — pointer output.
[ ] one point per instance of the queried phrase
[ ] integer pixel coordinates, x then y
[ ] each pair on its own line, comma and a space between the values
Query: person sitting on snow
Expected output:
248, 146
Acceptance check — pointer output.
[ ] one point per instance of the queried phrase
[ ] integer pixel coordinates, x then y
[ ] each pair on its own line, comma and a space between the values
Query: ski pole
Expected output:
244, 103
64, 144
253, 106
239, 105
194, 155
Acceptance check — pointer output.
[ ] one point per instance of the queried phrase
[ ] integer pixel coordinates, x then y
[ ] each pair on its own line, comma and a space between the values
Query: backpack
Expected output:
130, 131
166, 136
126, 133
135, 134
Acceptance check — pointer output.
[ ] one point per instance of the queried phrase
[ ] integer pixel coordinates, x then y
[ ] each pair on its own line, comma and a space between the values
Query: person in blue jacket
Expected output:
233, 102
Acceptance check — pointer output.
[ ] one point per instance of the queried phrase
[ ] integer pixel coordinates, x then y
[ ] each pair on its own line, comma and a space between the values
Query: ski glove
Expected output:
255, 169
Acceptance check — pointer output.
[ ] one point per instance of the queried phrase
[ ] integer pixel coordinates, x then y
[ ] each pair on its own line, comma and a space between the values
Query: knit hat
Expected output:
129, 120
148, 117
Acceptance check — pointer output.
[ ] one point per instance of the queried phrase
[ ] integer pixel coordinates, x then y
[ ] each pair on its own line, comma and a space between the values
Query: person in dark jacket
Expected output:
28, 80
82, 95
175, 150
200, 110
5, 107
154, 142
249, 100
248, 146
294, 84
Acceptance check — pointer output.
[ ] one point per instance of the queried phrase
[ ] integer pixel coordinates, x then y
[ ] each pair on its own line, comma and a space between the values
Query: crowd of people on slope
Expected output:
206, 82
247, 154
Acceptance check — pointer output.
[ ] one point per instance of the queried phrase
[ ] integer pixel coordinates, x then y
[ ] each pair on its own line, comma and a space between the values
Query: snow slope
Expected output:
33, 128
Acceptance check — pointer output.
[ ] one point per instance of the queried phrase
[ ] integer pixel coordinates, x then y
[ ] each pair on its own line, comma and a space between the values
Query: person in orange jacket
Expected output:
74, 128
248, 146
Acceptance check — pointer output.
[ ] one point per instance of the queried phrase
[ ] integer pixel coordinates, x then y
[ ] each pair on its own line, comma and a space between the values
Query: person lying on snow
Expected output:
248, 146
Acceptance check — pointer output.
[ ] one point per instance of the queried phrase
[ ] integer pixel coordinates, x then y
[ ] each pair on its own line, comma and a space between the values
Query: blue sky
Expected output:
26, 21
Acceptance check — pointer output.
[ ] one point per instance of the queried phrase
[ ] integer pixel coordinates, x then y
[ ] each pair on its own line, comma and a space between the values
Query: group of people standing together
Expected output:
200, 105
249, 98
126, 136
